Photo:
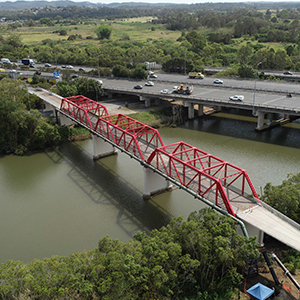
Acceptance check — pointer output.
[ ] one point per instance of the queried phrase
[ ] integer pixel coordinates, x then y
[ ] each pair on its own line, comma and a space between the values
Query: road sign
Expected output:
56, 74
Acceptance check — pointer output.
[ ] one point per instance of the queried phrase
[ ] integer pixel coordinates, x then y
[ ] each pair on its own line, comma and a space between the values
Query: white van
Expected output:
6, 61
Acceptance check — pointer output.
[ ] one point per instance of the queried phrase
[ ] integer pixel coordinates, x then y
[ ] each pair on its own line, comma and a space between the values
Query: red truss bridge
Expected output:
218, 183
204, 173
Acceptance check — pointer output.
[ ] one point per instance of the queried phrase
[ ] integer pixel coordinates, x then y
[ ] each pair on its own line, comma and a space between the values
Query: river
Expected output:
60, 201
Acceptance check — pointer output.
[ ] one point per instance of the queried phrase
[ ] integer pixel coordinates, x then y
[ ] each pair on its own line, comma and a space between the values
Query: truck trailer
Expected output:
196, 75
27, 61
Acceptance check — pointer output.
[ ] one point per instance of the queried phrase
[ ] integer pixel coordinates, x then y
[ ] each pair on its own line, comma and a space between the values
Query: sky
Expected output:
172, 1
185, 1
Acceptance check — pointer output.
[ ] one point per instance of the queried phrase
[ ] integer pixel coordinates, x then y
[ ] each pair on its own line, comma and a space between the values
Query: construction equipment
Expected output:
184, 89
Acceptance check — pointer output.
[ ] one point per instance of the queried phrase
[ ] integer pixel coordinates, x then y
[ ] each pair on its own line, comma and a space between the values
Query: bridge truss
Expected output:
207, 175
84, 110
135, 137
202, 172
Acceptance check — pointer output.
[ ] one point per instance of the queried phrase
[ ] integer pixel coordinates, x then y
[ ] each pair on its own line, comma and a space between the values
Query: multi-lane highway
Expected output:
268, 93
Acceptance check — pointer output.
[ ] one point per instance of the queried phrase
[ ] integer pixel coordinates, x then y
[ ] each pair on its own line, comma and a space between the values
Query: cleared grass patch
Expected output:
154, 118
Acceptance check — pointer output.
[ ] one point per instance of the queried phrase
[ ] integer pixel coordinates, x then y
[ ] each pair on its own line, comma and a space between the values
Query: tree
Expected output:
246, 71
21, 131
89, 88
66, 90
244, 54
139, 73
103, 32
285, 197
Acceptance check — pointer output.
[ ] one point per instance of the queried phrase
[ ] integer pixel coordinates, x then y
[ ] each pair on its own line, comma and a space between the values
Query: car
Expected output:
74, 76
47, 65
238, 98
31, 66
19, 73
149, 83
153, 76
38, 72
13, 71
150, 73
69, 67
218, 81
138, 87
63, 67
175, 87
164, 91
82, 69
2, 70
287, 73
56, 76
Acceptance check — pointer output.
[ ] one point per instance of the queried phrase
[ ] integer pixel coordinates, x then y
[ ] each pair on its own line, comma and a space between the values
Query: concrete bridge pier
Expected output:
157, 101
190, 106
154, 183
65, 121
260, 120
102, 148
200, 110
48, 106
109, 95
270, 118
218, 108
147, 100
254, 231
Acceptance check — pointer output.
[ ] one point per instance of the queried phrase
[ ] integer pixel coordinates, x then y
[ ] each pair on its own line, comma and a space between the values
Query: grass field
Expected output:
138, 29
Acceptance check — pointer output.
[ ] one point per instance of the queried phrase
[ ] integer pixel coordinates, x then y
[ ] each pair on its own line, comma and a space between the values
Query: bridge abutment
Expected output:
147, 100
102, 148
154, 183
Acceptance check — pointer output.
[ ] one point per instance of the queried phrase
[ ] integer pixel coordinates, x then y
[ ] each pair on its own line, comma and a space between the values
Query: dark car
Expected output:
38, 72
287, 73
138, 87
74, 76
31, 66
47, 65
81, 69
63, 67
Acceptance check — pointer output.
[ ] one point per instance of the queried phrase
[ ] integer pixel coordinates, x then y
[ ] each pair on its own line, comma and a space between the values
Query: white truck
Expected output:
6, 61
196, 75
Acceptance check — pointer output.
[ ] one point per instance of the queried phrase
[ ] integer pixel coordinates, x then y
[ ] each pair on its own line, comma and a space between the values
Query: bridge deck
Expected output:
272, 225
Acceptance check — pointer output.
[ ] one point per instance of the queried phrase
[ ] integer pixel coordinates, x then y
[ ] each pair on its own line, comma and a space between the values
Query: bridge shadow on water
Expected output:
242, 126
105, 187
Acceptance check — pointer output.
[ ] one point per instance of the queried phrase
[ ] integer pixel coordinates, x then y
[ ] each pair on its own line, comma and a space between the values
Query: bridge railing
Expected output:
280, 215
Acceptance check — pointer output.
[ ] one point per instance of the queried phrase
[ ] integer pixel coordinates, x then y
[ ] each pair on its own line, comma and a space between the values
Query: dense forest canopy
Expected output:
193, 259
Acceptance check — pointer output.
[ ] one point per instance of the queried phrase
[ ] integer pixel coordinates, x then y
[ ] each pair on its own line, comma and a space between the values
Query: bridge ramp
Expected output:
278, 226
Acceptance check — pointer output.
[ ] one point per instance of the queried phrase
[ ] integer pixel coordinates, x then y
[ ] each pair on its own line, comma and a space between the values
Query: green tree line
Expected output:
193, 259
208, 38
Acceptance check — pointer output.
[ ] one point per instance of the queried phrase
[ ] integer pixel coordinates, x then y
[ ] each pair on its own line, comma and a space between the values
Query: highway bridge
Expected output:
266, 103
221, 185
265, 99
